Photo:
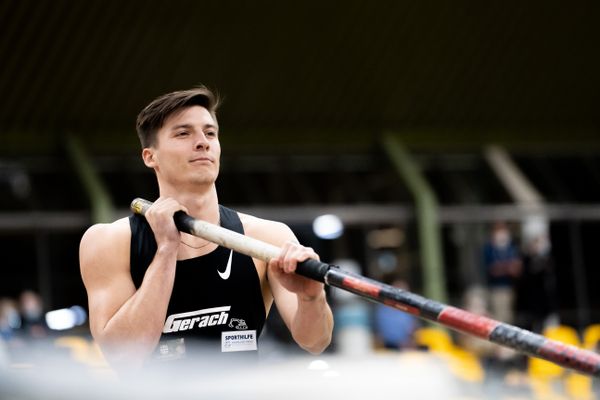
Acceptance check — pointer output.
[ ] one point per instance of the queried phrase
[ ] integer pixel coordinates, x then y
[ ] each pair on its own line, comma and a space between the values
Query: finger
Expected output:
297, 253
306, 253
168, 205
281, 263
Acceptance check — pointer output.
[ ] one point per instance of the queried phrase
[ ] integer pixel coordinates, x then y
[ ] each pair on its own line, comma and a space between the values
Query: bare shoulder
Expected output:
266, 230
108, 234
107, 244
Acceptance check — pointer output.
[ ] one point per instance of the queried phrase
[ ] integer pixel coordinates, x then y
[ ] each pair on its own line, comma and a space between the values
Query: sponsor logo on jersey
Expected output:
197, 319
240, 336
238, 341
238, 324
225, 274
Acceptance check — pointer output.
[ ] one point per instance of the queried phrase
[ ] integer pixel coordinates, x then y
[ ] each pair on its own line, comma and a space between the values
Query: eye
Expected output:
182, 133
211, 133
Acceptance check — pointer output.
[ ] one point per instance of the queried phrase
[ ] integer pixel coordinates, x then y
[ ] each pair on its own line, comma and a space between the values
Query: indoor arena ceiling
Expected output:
302, 72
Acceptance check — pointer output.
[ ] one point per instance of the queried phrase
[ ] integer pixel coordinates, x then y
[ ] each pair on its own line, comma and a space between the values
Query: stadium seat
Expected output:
461, 363
591, 336
544, 373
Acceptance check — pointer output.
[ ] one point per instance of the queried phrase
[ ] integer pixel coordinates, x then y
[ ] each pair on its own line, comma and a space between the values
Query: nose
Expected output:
201, 142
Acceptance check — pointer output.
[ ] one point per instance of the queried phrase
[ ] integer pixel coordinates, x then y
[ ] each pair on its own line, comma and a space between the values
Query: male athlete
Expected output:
152, 290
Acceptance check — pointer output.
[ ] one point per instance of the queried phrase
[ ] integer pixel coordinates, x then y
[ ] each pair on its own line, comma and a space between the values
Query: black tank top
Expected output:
214, 293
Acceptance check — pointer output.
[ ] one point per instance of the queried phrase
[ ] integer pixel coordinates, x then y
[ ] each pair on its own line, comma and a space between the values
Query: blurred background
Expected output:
454, 146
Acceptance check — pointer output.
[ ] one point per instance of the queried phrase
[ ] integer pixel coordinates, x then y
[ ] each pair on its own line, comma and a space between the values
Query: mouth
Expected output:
201, 160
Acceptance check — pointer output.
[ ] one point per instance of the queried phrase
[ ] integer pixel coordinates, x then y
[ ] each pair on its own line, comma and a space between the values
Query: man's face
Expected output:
187, 148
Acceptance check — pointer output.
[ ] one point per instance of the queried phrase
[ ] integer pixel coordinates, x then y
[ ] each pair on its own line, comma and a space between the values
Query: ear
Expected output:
148, 157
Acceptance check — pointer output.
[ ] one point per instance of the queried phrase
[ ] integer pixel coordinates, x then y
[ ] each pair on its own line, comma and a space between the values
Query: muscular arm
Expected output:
311, 323
126, 323
300, 301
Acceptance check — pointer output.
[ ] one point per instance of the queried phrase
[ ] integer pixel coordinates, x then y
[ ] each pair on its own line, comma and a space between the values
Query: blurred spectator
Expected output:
10, 321
536, 292
394, 328
502, 267
31, 308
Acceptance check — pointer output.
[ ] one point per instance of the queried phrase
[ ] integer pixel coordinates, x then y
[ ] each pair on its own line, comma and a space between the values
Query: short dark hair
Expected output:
154, 115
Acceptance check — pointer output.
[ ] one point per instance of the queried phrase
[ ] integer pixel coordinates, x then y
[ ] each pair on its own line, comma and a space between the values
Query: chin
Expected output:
205, 180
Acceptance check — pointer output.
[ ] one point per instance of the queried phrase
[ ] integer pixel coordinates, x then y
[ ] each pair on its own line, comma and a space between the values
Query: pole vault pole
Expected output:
510, 336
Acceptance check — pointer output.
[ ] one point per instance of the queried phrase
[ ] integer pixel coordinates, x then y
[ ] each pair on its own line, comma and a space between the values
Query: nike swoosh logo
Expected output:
225, 275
